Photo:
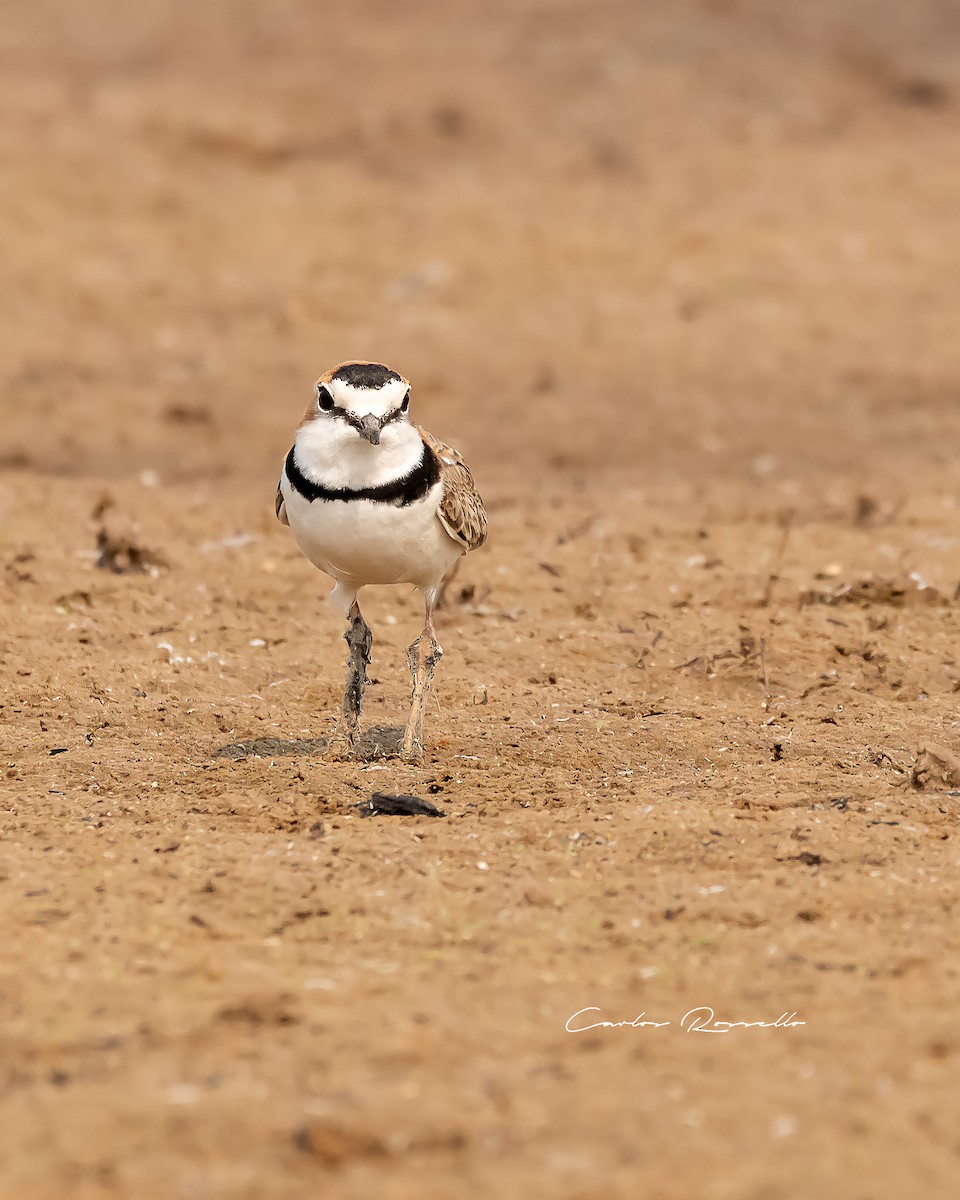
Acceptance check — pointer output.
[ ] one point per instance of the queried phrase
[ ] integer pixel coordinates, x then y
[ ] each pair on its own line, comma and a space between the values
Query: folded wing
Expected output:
281, 508
461, 511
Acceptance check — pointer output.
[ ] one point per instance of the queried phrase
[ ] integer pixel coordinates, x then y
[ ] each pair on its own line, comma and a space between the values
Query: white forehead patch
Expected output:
361, 401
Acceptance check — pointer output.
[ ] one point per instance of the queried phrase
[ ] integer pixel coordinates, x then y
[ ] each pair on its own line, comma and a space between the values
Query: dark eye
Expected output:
406, 403
324, 399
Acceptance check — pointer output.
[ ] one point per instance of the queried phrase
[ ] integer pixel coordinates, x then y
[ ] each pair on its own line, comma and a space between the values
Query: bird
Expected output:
372, 498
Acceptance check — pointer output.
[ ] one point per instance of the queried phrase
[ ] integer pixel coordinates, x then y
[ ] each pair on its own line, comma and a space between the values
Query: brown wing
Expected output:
281, 508
461, 511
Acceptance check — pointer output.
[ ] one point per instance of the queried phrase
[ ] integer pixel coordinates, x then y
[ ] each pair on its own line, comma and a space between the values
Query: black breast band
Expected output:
406, 490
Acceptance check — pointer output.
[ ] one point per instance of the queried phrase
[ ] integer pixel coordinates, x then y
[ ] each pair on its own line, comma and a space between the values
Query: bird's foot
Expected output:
422, 658
359, 641
411, 750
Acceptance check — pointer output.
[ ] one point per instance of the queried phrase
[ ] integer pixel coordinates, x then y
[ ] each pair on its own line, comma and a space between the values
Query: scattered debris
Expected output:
898, 593
14, 569
907, 88
298, 918
881, 758
936, 766
383, 804
917, 92
576, 531
102, 506
809, 859
73, 600
870, 513
123, 556
334, 1144
827, 680
806, 858
261, 1011
49, 916
645, 653
750, 655
187, 414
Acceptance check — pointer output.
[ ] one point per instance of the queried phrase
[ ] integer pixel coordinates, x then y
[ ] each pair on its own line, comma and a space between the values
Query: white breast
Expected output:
359, 542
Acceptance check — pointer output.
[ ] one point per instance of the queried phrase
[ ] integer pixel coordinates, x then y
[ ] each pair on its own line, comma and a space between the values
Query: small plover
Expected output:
373, 499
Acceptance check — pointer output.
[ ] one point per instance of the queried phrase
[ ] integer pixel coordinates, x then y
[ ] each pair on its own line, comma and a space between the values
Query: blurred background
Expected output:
715, 238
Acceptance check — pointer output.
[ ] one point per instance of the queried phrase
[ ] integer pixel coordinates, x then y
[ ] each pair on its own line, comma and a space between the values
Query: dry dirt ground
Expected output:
681, 281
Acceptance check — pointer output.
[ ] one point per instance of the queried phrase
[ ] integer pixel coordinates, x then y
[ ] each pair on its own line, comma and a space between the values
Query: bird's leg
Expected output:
422, 657
447, 581
359, 638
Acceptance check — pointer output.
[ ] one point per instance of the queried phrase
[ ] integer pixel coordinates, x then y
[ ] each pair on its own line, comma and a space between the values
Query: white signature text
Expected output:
696, 1020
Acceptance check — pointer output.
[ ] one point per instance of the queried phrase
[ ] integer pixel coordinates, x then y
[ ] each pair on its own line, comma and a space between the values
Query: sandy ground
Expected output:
681, 282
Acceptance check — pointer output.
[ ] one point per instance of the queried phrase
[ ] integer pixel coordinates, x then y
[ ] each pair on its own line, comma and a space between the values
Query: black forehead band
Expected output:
366, 375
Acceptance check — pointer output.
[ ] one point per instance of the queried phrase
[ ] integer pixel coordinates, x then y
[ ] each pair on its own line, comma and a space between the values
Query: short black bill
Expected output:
370, 429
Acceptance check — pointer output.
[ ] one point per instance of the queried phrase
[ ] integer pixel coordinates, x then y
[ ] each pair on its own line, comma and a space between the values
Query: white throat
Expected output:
331, 452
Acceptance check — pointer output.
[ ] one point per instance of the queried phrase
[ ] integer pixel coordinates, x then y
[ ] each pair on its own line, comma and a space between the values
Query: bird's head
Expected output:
366, 397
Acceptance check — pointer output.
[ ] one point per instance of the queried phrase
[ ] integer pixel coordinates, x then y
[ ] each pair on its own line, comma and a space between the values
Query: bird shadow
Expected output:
380, 741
